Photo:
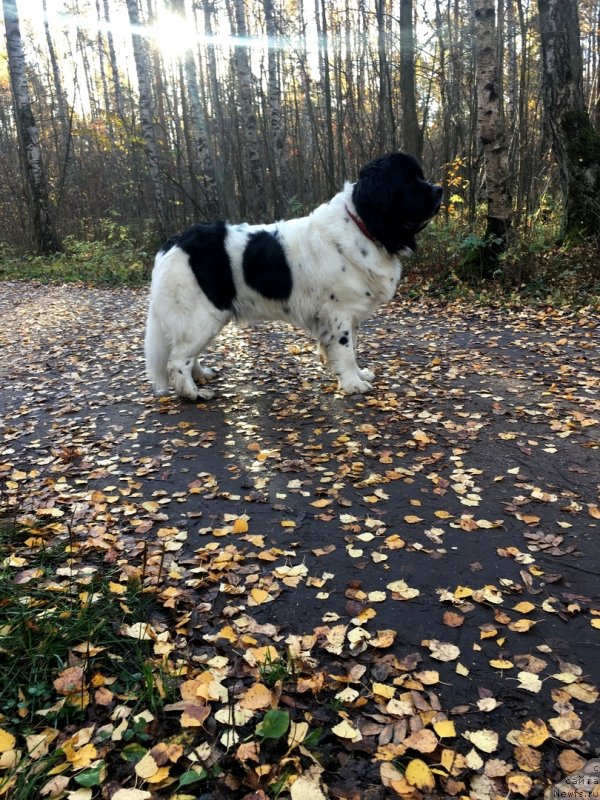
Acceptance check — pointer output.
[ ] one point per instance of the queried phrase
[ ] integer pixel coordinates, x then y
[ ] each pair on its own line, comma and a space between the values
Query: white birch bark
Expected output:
31, 154
147, 115
490, 123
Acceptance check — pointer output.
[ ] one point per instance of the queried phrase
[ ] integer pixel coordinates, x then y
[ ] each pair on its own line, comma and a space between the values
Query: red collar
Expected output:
361, 225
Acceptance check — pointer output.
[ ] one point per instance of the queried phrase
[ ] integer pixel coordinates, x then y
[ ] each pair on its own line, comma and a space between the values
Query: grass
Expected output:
118, 259
49, 625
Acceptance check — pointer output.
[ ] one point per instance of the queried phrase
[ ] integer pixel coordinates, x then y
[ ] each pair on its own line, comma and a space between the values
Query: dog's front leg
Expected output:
341, 357
365, 374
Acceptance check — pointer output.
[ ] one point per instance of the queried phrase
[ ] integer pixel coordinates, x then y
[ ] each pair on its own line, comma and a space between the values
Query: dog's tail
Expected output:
156, 348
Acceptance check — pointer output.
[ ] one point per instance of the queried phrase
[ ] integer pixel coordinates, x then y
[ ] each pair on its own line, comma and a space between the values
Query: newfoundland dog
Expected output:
324, 273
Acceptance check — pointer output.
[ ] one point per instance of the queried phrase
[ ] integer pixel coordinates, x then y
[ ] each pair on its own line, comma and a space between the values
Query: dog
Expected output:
324, 273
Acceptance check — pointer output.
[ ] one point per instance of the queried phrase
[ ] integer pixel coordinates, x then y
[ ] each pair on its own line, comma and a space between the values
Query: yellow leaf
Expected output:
322, 503
382, 690
534, 733
240, 525
345, 730
7, 741
444, 728
146, 767
421, 437
443, 651
424, 741
584, 692
297, 734
159, 775
522, 625
411, 519
418, 774
257, 696
402, 590
484, 740
82, 757
462, 591
595, 623
261, 655
524, 607
307, 787
131, 794
519, 783
500, 663
260, 596
529, 681
383, 639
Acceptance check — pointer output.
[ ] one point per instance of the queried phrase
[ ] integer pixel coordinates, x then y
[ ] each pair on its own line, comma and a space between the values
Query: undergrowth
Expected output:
535, 269
51, 628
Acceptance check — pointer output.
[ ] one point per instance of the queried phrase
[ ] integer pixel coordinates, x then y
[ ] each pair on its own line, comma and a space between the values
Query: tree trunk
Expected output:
276, 127
112, 56
44, 224
575, 143
490, 126
412, 138
247, 107
322, 30
206, 179
146, 116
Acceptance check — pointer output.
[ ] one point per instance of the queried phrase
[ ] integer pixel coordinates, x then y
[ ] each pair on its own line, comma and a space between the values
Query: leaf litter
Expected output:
385, 596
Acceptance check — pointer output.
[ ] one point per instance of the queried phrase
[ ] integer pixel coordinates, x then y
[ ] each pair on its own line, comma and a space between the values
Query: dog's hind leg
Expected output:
157, 353
183, 365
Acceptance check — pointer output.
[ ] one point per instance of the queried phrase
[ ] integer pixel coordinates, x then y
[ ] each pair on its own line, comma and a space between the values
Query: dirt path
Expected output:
438, 537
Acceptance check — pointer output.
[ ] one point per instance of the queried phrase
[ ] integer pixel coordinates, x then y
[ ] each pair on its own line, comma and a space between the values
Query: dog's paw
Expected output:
203, 374
354, 386
366, 375
205, 394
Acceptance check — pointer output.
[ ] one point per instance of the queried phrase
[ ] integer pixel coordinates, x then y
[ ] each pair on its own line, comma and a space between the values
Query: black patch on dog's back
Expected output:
266, 269
205, 247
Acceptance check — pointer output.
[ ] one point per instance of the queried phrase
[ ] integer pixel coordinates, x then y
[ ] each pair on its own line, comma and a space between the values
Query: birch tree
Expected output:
147, 115
42, 211
490, 125
247, 106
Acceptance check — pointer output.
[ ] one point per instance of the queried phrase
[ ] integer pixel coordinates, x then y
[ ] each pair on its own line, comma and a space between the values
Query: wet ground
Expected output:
470, 473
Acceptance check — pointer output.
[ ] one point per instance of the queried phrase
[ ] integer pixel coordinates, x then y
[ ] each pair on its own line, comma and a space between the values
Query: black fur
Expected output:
266, 269
205, 246
394, 200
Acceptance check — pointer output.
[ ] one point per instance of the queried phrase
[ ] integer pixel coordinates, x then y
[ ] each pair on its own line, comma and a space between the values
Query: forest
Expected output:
125, 120
291, 584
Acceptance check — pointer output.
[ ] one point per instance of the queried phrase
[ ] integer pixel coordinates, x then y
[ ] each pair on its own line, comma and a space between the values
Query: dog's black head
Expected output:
394, 200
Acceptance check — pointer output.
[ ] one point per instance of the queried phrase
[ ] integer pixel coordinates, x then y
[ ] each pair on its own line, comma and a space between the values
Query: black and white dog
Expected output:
324, 273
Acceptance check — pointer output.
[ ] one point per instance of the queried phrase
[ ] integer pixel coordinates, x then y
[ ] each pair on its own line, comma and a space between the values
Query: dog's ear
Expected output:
378, 184
379, 195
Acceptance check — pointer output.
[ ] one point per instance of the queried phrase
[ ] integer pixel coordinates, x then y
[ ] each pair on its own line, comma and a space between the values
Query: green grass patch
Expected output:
66, 662
118, 258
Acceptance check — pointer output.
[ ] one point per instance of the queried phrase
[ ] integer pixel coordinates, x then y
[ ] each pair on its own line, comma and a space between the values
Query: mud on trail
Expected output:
420, 562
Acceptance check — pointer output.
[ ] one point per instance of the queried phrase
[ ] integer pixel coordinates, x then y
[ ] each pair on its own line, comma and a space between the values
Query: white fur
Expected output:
182, 321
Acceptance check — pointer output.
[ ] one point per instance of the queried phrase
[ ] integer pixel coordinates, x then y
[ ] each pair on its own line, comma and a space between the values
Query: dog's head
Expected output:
394, 200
